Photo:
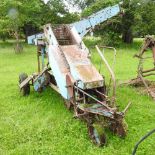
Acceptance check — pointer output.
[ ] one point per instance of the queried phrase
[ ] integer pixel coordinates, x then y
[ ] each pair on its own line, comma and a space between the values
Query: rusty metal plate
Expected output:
81, 67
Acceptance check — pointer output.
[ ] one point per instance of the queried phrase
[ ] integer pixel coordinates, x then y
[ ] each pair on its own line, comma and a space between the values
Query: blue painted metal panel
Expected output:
59, 75
50, 36
31, 39
85, 25
39, 83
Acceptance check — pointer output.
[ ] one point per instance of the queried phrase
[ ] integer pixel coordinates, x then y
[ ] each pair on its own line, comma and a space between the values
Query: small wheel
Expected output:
119, 128
122, 129
97, 135
26, 89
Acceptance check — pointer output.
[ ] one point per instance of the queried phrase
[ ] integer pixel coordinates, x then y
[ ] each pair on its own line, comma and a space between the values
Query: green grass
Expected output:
40, 123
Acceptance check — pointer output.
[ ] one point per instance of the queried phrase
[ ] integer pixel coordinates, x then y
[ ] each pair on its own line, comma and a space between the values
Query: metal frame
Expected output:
149, 43
70, 72
109, 69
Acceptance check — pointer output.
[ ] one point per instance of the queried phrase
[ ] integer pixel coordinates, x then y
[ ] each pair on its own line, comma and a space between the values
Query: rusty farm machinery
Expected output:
145, 85
70, 72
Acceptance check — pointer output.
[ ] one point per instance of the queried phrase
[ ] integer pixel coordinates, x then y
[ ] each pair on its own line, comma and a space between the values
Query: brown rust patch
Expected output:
88, 73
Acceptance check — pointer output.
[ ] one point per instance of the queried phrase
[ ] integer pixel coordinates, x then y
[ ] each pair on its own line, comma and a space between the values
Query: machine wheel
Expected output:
122, 129
97, 134
119, 128
26, 89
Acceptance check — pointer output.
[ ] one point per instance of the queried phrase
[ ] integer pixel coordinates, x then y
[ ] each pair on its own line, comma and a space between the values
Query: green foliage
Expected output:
109, 30
40, 123
81, 4
16, 14
98, 5
145, 20
136, 21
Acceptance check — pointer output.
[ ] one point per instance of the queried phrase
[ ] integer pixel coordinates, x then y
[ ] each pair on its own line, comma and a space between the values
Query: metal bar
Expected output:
149, 70
54, 87
110, 70
80, 99
145, 84
106, 106
145, 75
114, 60
143, 49
101, 93
115, 52
127, 107
146, 58
26, 81
79, 115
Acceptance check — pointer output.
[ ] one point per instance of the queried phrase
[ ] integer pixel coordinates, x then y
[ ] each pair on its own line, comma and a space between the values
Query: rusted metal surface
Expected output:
100, 102
81, 67
97, 134
69, 84
63, 35
149, 43
149, 70
110, 70
40, 80
73, 75
115, 52
126, 108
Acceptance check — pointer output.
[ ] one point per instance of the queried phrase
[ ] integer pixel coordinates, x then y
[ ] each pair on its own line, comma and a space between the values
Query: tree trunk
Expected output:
3, 39
18, 47
128, 19
127, 36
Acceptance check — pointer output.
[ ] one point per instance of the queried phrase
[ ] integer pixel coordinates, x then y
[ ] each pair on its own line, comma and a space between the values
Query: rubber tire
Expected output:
101, 137
26, 89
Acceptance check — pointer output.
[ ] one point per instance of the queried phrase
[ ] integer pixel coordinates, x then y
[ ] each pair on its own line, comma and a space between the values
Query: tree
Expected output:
82, 4
13, 16
127, 21
137, 20
108, 30
17, 17
145, 19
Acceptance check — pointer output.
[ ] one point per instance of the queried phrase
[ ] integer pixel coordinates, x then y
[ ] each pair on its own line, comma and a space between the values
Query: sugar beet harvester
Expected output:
70, 72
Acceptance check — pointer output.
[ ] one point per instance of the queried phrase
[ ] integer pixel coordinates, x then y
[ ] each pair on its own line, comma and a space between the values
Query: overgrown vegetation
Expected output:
40, 123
